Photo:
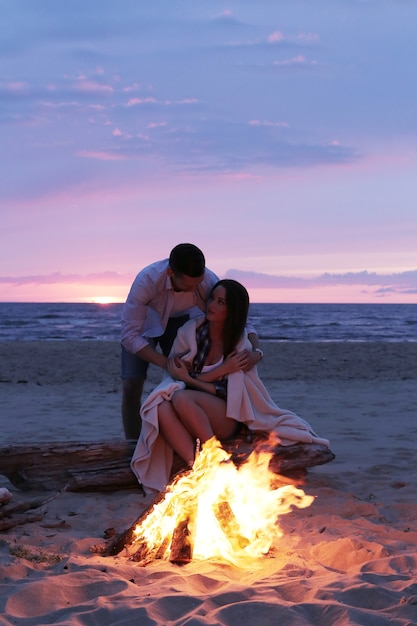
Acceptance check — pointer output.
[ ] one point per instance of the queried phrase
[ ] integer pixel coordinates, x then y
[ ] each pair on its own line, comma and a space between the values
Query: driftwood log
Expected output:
105, 465
11, 514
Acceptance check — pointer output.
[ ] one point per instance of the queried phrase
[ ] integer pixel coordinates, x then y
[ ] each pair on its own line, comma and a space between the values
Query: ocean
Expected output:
273, 322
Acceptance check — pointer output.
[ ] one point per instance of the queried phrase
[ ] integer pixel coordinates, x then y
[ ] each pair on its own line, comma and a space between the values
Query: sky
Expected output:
279, 136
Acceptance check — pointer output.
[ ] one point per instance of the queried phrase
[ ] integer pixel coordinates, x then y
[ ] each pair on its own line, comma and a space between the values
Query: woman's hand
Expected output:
236, 361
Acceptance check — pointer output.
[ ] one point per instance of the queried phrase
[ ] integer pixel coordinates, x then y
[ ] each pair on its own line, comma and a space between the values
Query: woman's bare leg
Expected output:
203, 414
175, 433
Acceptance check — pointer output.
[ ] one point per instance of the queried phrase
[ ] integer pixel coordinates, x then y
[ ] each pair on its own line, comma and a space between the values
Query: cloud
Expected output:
396, 283
91, 86
278, 39
275, 36
226, 18
304, 39
400, 280
198, 146
14, 87
138, 101
100, 278
297, 61
151, 100
266, 123
156, 125
101, 156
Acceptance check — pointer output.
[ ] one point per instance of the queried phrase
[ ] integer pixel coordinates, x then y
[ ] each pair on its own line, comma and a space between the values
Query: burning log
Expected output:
105, 466
179, 546
229, 525
142, 553
126, 538
178, 543
181, 551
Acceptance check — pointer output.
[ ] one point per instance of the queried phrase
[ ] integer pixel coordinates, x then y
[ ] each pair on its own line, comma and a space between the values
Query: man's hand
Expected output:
178, 369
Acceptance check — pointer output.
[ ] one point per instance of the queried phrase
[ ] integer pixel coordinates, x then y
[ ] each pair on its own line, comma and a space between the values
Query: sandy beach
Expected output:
349, 558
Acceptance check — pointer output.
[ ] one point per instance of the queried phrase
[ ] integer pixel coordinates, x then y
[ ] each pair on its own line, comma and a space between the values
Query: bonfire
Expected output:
217, 511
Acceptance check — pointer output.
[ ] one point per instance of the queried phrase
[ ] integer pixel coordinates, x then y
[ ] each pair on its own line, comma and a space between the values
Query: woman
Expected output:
199, 410
207, 393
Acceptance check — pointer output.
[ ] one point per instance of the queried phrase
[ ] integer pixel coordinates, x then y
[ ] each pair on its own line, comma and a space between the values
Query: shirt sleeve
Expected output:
250, 328
135, 313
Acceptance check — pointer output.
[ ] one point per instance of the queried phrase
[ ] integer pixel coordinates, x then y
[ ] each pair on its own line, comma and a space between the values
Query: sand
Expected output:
349, 558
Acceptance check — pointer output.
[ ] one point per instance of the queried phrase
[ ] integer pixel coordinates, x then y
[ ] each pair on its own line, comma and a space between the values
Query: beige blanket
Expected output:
248, 401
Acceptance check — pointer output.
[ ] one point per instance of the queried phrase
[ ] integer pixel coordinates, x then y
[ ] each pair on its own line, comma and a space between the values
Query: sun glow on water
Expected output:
104, 300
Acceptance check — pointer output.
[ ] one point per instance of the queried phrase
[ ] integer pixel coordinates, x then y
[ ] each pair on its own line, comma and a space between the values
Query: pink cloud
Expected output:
101, 156
15, 86
136, 101
266, 123
156, 124
187, 101
59, 105
100, 278
297, 60
377, 285
91, 86
276, 36
130, 88
183, 101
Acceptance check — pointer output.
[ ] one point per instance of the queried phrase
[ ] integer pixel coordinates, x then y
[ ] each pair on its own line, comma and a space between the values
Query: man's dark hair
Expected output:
187, 259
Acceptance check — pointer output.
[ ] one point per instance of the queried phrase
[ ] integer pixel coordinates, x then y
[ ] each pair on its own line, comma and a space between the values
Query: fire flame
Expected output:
220, 511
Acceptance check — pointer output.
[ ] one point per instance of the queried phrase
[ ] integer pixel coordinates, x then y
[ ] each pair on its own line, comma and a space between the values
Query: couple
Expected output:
163, 296
208, 391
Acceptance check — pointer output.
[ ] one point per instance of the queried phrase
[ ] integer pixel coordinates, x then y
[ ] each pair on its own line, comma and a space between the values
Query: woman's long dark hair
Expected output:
237, 302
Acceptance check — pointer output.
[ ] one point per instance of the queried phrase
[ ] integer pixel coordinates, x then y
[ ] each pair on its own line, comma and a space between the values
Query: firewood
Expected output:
22, 507
181, 551
160, 553
229, 525
20, 520
142, 553
9, 519
126, 538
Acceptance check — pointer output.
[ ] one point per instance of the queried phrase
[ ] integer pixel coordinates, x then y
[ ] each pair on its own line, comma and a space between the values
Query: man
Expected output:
163, 296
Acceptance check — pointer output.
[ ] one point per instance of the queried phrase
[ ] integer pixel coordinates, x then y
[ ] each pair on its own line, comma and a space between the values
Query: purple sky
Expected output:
279, 136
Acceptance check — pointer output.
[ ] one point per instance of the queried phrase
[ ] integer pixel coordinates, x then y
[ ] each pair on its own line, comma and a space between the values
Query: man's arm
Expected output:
148, 353
256, 355
149, 282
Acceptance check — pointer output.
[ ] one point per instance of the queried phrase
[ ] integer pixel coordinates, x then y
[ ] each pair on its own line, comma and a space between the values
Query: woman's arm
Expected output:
179, 370
234, 362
